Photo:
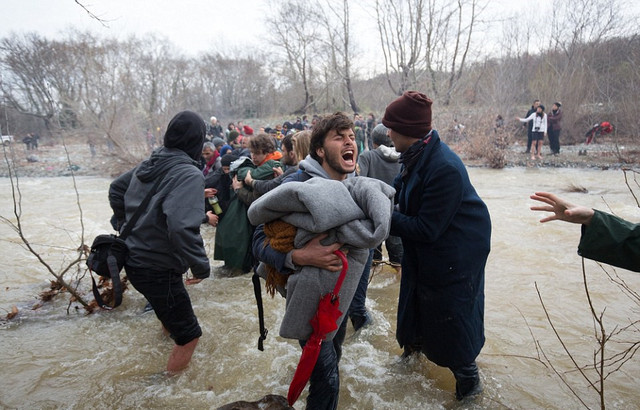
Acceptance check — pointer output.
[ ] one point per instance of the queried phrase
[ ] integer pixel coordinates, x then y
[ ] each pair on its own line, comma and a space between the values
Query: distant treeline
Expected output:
103, 88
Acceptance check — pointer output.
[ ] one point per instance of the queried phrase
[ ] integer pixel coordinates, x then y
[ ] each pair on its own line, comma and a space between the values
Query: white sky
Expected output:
192, 25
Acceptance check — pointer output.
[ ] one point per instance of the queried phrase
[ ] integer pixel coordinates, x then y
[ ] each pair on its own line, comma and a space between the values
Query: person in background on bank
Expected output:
604, 237
529, 125
538, 122
554, 127
446, 237
166, 240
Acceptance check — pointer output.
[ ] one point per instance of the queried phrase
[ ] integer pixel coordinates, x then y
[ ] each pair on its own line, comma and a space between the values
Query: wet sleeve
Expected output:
263, 252
183, 209
117, 190
611, 240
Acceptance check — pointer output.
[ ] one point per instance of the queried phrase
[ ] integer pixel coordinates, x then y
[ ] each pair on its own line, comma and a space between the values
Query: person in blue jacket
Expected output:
446, 231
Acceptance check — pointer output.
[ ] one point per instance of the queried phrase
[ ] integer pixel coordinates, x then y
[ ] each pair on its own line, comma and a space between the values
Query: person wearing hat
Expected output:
554, 127
446, 233
166, 240
539, 130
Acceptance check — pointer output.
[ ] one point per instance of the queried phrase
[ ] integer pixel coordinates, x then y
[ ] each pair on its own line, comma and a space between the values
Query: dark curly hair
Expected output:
338, 121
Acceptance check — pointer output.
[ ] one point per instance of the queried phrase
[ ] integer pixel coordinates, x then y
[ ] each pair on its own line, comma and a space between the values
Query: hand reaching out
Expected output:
562, 210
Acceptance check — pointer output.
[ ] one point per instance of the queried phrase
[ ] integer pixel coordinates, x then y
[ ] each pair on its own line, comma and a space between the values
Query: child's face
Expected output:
258, 157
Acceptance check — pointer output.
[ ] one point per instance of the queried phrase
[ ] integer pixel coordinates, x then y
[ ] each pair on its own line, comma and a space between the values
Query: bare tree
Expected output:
464, 30
27, 64
297, 35
400, 30
337, 24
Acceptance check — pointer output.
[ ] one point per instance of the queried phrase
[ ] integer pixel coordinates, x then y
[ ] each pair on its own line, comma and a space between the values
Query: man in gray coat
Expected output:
332, 156
166, 241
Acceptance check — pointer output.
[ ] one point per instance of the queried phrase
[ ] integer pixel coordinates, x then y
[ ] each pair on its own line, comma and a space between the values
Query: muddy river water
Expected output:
51, 359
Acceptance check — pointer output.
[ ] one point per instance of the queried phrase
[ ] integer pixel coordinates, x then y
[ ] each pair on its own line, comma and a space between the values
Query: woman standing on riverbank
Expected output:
539, 130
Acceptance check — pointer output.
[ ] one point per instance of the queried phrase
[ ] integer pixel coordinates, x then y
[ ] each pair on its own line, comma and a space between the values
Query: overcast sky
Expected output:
192, 25
196, 26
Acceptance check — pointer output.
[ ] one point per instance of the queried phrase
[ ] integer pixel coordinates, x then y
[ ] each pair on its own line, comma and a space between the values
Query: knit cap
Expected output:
409, 114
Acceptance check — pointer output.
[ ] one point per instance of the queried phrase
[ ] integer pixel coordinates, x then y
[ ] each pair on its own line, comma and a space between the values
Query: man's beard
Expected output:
334, 163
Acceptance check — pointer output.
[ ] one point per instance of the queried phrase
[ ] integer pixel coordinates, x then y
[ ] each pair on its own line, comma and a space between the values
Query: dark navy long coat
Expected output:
446, 230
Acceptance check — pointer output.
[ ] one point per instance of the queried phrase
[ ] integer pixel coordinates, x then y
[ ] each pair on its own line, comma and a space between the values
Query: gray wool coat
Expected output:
356, 212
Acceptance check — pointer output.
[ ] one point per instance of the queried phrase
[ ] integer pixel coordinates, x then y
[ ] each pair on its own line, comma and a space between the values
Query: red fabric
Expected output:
323, 323
211, 162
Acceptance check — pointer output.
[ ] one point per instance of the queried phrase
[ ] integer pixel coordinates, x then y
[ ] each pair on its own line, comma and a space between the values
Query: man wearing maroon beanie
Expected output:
446, 231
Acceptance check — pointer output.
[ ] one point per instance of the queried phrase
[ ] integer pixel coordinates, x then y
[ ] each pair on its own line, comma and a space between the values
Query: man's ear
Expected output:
320, 152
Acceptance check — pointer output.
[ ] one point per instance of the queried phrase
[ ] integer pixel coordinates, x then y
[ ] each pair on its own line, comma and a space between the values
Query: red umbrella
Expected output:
323, 322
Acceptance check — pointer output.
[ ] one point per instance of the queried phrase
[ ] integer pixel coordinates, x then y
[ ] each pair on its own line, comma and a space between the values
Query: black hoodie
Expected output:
167, 235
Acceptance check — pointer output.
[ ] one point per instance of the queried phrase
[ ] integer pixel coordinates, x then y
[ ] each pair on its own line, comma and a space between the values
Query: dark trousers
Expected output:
357, 310
324, 384
554, 140
529, 139
394, 249
167, 295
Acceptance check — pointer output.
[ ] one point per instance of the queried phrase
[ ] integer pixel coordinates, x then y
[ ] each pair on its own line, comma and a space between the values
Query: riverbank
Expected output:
77, 159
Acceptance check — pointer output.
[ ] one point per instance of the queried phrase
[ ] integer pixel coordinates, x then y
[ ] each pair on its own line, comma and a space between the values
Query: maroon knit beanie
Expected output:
409, 115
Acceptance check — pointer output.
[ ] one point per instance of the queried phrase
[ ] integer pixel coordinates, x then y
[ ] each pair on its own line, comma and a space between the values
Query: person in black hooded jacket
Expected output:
166, 241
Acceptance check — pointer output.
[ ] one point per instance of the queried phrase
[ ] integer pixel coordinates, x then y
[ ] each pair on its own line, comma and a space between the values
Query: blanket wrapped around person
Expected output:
355, 212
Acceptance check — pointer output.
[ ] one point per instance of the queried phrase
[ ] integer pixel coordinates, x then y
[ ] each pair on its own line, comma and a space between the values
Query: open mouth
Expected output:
348, 157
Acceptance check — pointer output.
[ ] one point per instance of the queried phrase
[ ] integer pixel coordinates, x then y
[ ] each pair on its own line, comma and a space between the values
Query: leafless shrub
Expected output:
69, 276
486, 139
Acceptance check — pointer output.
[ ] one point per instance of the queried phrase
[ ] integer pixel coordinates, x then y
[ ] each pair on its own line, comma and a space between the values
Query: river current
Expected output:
51, 359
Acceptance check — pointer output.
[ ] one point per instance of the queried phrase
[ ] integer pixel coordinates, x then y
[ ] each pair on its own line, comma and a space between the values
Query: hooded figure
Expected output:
166, 240
381, 162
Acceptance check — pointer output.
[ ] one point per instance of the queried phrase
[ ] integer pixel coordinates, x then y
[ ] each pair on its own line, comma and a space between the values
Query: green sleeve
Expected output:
264, 171
611, 240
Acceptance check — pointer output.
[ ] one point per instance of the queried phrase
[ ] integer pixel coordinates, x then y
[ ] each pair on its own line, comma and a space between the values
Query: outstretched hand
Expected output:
562, 210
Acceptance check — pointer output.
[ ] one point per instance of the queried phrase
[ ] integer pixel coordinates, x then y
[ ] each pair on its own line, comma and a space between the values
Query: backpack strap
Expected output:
115, 280
141, 208
257, 289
